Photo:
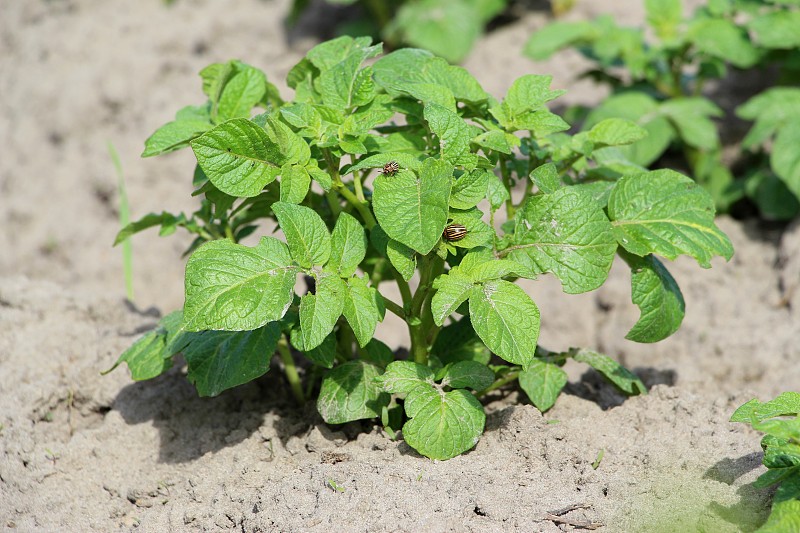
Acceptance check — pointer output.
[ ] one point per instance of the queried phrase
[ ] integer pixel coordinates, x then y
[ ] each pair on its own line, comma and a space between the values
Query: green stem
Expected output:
361, 207
502, 382
394, 308
510, 209
429, 266
291, 370
346, 339
229, 233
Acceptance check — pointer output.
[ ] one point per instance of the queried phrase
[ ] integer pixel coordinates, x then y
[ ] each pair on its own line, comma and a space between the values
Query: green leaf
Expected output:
306, 234
343, 85
665, 213
542, 382
777, 30
553, 37
241, 93
295, 183
151, 354
349, 392
348, 246
238, 157
496, 193
405, 161
403, 258
785, 516
723, 39
363, 309
786, 404
234, 288
452, 290
565, 233
664, 16
323, 355
459, 342
617, 374
690, 117
175, 135
442, 425
644, 111
320, 311
377, 352
399, 72
616, 132
785, 158
468, 374
452, 133
469, 189
413, 210
220, 360
658, 297
506, 320
546, 178
497, 140
164, 219
447, 28
530, 93
771, 109
404, 377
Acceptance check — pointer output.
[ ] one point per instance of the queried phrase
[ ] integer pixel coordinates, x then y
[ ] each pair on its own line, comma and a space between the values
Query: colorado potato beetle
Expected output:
454, 232
391, 168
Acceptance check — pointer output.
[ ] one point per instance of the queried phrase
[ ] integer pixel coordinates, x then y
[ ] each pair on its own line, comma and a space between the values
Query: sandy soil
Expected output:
82, 452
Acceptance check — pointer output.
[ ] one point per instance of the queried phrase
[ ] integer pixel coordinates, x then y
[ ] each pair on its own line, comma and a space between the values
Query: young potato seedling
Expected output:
400, 169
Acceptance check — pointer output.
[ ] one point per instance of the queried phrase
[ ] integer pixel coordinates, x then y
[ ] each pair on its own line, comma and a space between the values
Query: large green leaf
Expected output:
448, 28
239, 157
235, 288
658, 297
565, 233
665, 213
345, 85
306, 234
467, 374
777, 29
542, 382
363, 309
723, 39
412, 209
320, 311
220, 360
348, 246
506, 320
349, 392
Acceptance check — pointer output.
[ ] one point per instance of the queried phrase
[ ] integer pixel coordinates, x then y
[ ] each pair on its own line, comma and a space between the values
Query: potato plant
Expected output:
660, 76
402, 172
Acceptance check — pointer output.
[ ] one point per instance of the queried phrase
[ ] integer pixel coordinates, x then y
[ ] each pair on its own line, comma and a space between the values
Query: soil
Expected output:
85, 452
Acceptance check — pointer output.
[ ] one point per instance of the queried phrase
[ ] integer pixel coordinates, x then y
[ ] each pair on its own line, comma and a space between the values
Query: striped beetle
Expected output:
454, 232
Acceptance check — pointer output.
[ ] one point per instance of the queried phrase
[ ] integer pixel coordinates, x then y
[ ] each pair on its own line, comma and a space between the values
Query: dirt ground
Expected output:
84, 452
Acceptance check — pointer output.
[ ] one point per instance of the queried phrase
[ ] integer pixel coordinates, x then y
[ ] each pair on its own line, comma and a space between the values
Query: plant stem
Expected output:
510, 209
290, 370
346, 339
361, 207
505, 380
394, 308
416, 323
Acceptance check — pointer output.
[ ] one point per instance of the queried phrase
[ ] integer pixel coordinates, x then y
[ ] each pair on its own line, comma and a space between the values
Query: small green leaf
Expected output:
548, 40
448, 29
348, 246
241, 93
411, 209
459, 342
403, 258
616, 132
470, 188
467, 374
452, 133
238, 157
546, 178
496, 193
323, 355
664, 16
150, 220
785, 159
175, 135
665, 213
565, 233
404, 377
542, 382
452, 290
617, 374
506, 320
497, 140
530, 93
658, 297
220, 360
235, 288
151, 354
691, 118
442, 425
363, 309
295, 183
377, 352
349, 392
723, 39
306, 234
320, 311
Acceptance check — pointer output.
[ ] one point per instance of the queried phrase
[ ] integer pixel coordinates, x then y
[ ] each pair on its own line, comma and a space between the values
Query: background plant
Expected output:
779, 419
404, 169
660, 75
